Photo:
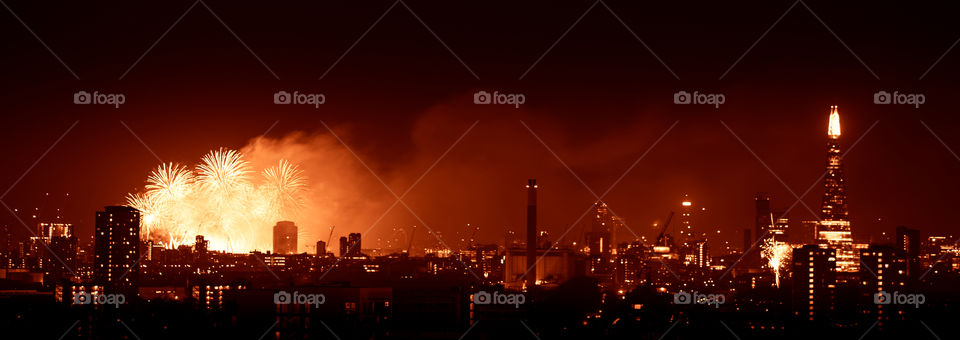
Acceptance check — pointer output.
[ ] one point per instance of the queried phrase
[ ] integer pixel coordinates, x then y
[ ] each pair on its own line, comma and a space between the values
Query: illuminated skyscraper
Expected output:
285, 238
117, 248
686, 224
701, 252
601, 237
834, 229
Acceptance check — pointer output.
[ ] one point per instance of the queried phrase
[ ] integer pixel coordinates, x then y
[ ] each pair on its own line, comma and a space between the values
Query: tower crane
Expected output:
410, 243
330, 238
660, 241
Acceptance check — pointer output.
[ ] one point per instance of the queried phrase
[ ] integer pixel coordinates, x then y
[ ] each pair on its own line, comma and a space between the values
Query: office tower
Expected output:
600, 239
686, 223
61, 248
762, 215
908, 242
154, 251
201, 246
808, 233
779, 230
531, 280
814, 283
50, 230
602, 235
117, 248
285, 238
883, 271
769, 223
753, 258
55, 248
201, 257
350, 245
630, 264
701, 252
834, 229
321, 248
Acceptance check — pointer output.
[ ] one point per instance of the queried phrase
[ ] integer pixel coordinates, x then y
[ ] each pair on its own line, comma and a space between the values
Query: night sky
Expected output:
599, 99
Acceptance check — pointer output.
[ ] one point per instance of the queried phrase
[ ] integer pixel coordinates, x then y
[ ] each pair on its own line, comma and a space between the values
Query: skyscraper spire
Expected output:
834, 129
834, 204
834, 229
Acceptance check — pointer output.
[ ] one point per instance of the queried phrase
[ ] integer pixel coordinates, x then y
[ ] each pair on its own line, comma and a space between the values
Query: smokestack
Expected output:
531, 232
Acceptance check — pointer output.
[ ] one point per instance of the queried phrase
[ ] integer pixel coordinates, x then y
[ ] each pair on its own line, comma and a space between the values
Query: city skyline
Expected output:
399, 169
731, 230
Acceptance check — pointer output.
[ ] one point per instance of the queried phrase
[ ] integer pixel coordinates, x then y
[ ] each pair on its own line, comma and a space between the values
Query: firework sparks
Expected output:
283, 184
218, 200
778, 255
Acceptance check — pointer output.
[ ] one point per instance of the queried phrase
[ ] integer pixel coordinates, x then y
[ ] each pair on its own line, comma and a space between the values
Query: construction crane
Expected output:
410, 243
330, 238
662, 230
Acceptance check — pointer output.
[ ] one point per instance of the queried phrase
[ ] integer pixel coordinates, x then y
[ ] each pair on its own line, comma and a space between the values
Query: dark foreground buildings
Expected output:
117, 249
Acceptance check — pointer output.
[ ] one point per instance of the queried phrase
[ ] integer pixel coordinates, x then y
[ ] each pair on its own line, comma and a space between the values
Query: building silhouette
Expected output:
883, 271
908, 241
321, 248
285, 238
814, 283
117, 248
350, 246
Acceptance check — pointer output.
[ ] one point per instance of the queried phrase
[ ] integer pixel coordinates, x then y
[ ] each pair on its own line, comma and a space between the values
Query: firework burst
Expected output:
223, 170
284, 184
219, 200
778, 254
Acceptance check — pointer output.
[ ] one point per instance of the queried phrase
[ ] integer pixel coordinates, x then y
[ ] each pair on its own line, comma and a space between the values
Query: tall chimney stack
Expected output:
531, 232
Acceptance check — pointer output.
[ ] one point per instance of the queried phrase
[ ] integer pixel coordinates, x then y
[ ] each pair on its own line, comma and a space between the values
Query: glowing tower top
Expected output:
834, 130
